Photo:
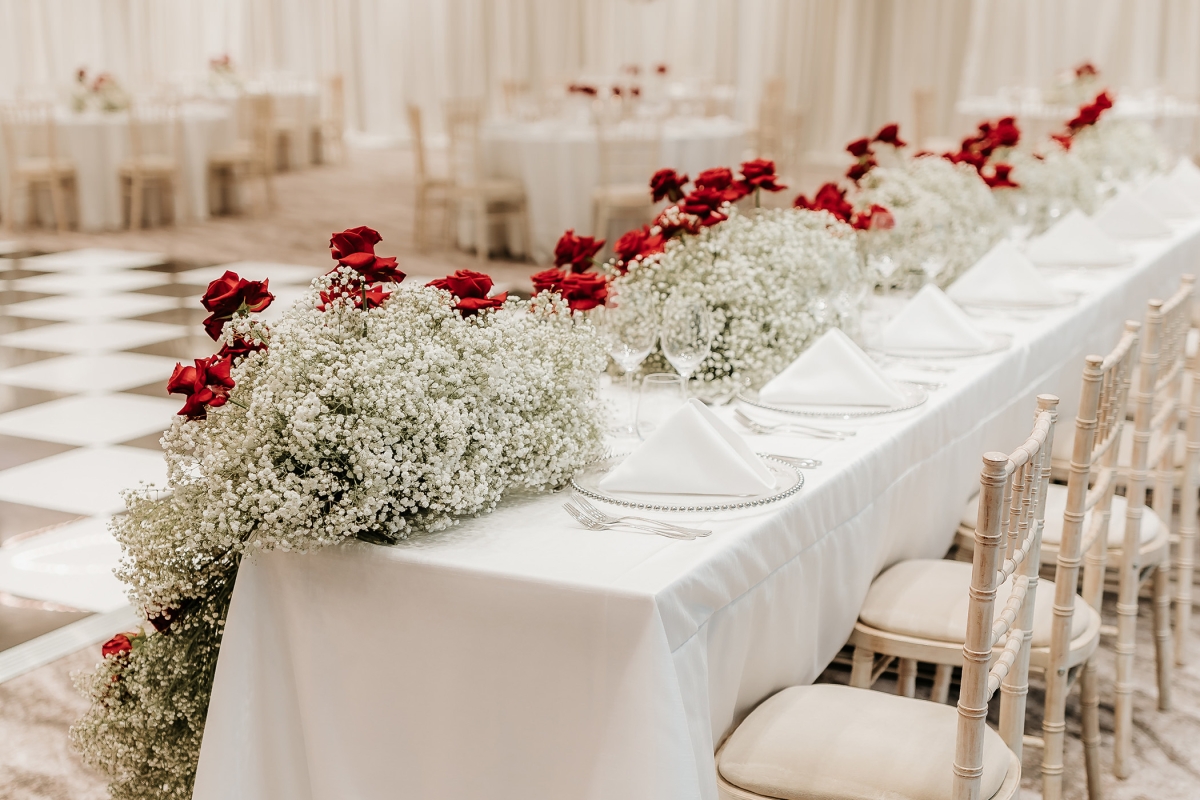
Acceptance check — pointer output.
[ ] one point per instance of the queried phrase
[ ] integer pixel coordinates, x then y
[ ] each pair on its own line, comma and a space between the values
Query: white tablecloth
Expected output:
98, 142
520, 656
559, 164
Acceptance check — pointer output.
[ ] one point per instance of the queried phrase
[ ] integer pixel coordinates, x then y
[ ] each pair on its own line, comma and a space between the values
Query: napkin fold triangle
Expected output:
930, 322
1127, 216
1170, 203
692, 452
1004, 276
834, 371
1076, 240
1185, 177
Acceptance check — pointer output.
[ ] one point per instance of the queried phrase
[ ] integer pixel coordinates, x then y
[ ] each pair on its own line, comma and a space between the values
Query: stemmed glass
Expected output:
1022, 224
687, 333
630, 332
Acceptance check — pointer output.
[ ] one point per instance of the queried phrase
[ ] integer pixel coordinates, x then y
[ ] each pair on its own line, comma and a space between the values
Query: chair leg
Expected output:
1162, 634
941, 684
1089, 706
481, 230
526, 234
137, 195
601, 219
419, 219
864, 665
1185, 568
1127, 610
906, 682
56, 199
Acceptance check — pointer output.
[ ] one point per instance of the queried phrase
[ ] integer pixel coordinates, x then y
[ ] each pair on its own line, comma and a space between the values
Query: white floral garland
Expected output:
1119, 150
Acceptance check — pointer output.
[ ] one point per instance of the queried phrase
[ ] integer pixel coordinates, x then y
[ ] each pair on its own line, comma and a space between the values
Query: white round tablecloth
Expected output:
97, 142
559, 164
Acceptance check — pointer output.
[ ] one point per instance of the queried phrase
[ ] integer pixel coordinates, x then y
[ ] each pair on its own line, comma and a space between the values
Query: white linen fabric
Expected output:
1160, 194
1186, 180
833, 371
97, 142
1076, 241
932, 322
1127, 216
1004, 275
693, 452
520, 655
559, 164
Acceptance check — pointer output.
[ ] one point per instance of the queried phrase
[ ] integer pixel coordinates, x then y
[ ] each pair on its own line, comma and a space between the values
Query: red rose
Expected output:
998, 178
669, 184
857, 171
229, 295
117, 645
360, 297
760, 174
206, 384
548, 280
354, 240
720, 179
372, 268
672, 221
875, 218
828, 198
859, 148
661, 69
575, 251
1086, 69
582, 88
1064, 140
240, 347
470, 290
890, 134
639, 243
584, 291
704, 204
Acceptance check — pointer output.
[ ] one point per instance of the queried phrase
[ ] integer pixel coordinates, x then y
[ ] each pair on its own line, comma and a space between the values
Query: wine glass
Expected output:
630, 332
687, 332
662, 395
1022, 224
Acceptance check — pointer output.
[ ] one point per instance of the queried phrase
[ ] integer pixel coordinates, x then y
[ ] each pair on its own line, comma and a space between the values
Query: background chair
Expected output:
253, 156
31, 155
330, 133
155, 139
630, 152
845, 742
483, 198
430, 191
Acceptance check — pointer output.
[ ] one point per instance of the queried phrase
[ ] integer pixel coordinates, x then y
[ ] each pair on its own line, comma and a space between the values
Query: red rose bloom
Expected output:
875, 218
471, 291
372, 268
667, 183
704, 204
1086, 69
859, 148
1064, 140
672, 221
998, 178
890, 134
116, 645
638, 243
576, 252
1090, 113
354, 240
548, 280
584, 291
720, 179
760, 174
828, 198
229, 295
857, 171
240, 347
661, 69
206, 384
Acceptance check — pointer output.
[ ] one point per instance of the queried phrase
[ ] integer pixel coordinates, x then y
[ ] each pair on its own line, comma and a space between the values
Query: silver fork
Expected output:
594, 524
790, 427
589, 508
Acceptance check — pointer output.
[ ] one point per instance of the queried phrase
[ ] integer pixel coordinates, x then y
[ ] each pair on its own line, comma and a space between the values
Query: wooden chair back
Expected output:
1008, 534
630, 152
420, 156
1189, 500
771, 119
155, 129
464, 118
924, 123
29, 131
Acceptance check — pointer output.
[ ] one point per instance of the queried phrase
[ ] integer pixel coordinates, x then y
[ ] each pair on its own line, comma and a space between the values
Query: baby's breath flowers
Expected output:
372, 413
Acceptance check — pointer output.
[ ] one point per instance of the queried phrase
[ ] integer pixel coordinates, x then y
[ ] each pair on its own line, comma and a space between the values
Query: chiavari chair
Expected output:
431, 191
484, 198
31, 154
156, 147
834, 742
1185, 557
330, 133
630, 153
252, 156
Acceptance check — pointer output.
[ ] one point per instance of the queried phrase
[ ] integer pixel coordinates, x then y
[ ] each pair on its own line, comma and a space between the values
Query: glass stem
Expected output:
632, 400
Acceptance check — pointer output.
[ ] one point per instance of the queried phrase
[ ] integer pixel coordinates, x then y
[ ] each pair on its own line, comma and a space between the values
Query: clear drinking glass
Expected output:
687, 333
630, 332
1022, 225
661, 396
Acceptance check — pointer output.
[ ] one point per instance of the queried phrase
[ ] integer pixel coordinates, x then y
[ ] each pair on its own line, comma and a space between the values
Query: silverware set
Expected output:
802, 429
594, 519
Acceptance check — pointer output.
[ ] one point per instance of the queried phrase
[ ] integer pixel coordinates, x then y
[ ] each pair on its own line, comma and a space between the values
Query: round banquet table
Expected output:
559, 164
97, 142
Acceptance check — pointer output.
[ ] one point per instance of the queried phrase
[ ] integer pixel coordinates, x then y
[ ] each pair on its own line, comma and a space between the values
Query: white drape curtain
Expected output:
847, 66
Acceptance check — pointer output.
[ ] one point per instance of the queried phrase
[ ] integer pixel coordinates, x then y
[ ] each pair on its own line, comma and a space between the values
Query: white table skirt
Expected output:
521, 656
98, 142
559, 164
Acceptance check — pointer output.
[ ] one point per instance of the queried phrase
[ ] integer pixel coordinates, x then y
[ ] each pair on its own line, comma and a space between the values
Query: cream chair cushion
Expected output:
1056, 504
826, 741
928, 598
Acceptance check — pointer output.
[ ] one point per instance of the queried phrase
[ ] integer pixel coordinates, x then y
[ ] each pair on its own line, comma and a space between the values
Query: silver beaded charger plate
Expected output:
788, 481
914, 395
997, 342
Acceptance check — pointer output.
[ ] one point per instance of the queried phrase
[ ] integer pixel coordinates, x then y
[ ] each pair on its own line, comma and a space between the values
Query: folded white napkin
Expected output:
1127, 216
1162, 196
1186, 180
931, 321
693, 452
833, 372
1004, 276
1075, 240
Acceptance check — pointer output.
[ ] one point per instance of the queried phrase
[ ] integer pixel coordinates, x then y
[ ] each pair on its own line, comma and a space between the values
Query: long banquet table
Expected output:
521, 656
